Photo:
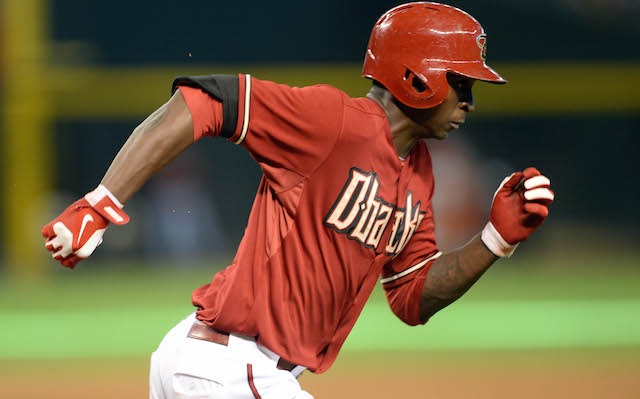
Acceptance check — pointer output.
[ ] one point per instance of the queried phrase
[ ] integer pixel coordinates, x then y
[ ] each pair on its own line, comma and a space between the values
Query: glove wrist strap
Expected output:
99, 193
107, 205
495, 243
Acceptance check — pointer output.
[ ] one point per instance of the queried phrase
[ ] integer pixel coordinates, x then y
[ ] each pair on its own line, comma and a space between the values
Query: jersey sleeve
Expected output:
206, 112
403, 277
287, 130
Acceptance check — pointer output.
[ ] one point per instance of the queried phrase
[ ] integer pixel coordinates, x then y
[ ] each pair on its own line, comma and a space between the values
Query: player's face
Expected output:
438, 121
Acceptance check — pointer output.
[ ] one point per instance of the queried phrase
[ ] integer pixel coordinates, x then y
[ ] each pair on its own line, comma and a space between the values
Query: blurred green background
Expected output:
77, 77
517, 306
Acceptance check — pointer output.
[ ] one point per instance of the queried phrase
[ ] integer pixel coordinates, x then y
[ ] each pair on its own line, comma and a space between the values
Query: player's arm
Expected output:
153, 144
519, 207
452, 274
76, 233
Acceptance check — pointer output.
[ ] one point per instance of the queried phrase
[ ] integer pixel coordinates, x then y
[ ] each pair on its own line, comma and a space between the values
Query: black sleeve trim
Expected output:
224, 88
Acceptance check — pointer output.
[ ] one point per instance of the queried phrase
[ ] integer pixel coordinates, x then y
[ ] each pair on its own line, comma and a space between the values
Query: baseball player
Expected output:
345, 197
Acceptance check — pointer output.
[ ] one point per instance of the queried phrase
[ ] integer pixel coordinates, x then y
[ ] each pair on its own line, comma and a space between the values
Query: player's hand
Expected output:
77, 232
520, 205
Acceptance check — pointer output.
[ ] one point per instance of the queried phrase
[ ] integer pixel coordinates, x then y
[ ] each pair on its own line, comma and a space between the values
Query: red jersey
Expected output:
335, 209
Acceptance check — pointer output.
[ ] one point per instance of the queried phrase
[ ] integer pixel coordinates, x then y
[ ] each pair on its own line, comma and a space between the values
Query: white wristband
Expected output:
496, 244
99, 193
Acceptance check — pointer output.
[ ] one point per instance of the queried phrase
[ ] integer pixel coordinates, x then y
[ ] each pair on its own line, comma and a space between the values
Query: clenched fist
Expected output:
520, 205
75, 234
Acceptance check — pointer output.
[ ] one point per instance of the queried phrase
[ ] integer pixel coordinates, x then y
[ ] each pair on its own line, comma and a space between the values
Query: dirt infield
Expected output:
532, 375
480, 384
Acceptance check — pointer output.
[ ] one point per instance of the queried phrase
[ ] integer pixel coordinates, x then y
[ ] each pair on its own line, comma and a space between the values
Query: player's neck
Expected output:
403, 129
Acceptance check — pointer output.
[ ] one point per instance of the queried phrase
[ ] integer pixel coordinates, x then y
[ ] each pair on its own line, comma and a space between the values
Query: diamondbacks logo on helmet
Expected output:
482, 43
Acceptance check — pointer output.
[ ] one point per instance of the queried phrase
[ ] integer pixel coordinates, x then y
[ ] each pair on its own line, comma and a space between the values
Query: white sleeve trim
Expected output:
247, 102
410, 270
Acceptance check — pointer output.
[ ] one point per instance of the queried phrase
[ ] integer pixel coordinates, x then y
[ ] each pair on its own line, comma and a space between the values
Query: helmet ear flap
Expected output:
416, 85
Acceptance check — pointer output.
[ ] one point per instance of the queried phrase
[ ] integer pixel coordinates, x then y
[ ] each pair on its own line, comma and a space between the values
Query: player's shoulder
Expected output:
321, 93
365, 105
327, 93
365, 120
319, 98
315, 90
356, 106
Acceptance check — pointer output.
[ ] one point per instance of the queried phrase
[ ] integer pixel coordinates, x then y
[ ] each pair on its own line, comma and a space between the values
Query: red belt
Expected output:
199, 330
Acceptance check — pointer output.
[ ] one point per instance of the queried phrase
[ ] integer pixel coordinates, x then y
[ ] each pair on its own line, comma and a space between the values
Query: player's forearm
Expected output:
154, 143
452, 274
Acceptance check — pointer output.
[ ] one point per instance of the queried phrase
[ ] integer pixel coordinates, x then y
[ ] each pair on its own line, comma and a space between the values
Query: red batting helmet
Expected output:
413, 46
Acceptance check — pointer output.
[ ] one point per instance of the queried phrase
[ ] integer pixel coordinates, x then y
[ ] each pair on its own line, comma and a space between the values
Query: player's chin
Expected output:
440, 136
442, 133
438, 132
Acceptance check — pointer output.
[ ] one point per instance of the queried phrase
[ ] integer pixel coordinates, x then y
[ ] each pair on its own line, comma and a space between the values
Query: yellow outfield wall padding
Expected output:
26, 135
533, 89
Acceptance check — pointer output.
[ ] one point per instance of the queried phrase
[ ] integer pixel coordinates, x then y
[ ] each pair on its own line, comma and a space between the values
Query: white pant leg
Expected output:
268, 381
163, 361
156, 390
273, 383
164, 381
188, 368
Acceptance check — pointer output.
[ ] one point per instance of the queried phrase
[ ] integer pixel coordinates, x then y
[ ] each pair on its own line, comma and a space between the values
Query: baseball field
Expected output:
559, 328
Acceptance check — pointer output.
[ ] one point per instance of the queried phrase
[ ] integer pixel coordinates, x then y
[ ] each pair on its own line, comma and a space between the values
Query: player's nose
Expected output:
468, 107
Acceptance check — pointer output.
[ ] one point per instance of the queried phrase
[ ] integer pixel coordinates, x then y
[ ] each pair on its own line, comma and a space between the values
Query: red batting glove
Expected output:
519, 206
77, 232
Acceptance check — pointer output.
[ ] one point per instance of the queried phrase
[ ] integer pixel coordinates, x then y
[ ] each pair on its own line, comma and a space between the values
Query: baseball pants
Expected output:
190, 368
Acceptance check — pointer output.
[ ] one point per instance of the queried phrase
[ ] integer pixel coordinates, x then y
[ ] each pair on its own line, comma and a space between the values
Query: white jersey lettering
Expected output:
363, 216
346, 209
